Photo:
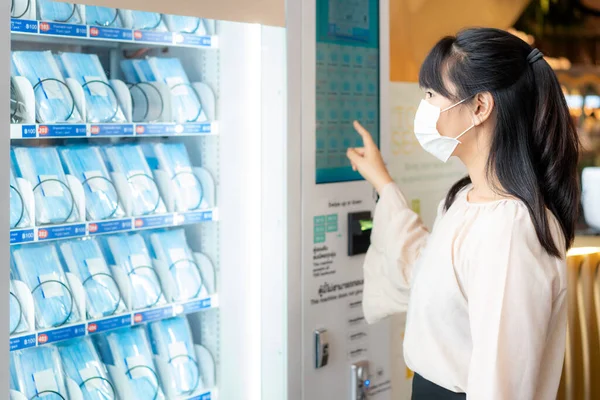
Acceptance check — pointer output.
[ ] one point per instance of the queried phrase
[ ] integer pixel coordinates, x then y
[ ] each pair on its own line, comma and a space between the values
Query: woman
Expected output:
487, 310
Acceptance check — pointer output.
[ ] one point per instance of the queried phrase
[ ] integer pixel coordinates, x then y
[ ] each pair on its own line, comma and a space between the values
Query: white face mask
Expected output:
427, 134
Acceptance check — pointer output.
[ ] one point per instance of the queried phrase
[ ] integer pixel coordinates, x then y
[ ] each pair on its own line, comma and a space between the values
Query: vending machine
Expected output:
183, 222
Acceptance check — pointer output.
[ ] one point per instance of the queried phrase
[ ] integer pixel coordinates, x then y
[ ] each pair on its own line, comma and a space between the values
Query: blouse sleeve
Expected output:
396, 240
512, 284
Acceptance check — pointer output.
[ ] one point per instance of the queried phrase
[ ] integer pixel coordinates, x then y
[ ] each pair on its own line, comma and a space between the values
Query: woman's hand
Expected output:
367, 160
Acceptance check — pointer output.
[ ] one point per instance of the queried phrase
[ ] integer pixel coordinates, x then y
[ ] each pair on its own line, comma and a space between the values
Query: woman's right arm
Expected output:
397, 238
396, 242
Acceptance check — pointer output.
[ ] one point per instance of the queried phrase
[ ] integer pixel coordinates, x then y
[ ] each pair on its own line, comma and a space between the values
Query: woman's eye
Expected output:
428, 95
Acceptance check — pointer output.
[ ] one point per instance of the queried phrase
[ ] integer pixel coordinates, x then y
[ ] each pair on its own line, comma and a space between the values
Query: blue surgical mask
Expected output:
173, 159
55, 11
17, 323
183, 24
131, 256
129, 161
39, 267
54, 101
185, 101
171, 248
102, 105
103, 16
84, 258
37, 373
54, 200
172, 340
86, 164
82, 365
150, 21
130, 351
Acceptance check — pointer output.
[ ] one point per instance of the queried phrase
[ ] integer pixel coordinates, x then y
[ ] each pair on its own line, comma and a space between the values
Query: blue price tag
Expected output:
97, 228
28, 131
60, 232
66, 130
154, 221
153, 315
196, 305
156, 129
191, 129
56, 335
109, 324
112, 130
191, 217
59, 29
193, 40
153, 37
22, 342
23, 26
22, 236
110, 33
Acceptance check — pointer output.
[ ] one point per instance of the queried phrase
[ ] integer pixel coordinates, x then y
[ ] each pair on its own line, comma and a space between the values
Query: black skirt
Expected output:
423, 389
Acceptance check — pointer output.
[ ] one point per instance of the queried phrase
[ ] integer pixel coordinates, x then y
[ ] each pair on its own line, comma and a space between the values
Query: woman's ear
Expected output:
484, 105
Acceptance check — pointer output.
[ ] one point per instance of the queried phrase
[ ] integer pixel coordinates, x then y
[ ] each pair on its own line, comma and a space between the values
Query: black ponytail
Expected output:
535, 148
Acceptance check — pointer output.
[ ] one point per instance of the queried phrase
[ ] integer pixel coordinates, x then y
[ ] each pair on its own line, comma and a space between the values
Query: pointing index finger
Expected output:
366, 136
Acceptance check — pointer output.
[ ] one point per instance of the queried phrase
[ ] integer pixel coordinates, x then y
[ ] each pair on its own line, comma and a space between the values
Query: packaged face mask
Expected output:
185, 102
170, 247
172, 341
41, 166
37, 373
103, 16
84, 258
58, 12
102, 105
17, 323
130, 351
101, 196
129, 161
39, 267
148, 21
183, 24
173, 159
131, 256
137, 71
82, 365
54, 101
19, 216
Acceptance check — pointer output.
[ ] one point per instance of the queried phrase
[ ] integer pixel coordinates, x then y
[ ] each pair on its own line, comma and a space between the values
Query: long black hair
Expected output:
535, 148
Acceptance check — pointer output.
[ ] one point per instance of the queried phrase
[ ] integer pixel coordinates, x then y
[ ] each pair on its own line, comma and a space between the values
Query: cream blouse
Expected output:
486, 303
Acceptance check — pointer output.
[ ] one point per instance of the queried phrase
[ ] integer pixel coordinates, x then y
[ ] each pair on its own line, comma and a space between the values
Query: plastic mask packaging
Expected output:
17, 322
129, 160
41, 166
82, 365
185, 102
170, 247
102, 105
132, 257
18, 211
54, 101
130, 351
86, 164
39, 267
137, 71
172, 340
149, 21
103, 16
58, 12
173, 159
39, 373
183, 24
84, 258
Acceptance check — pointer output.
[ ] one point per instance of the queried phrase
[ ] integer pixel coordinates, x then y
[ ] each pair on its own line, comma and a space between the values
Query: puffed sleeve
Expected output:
396, 241
511, 289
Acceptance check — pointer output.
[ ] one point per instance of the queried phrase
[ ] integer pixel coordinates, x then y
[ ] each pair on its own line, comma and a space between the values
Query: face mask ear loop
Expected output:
468, 129
454, 105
